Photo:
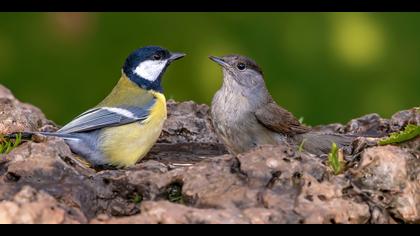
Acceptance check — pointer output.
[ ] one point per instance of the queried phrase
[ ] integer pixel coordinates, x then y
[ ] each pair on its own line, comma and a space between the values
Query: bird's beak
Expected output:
176, 55
219, 61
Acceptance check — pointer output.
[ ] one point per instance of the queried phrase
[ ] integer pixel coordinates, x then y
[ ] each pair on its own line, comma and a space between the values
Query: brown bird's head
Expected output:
240, 71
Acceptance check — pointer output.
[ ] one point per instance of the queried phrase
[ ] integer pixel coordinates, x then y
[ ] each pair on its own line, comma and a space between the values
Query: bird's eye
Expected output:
157, 57
241, 66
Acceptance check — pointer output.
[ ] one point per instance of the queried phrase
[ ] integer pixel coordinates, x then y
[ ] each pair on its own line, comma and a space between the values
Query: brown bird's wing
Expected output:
278, 119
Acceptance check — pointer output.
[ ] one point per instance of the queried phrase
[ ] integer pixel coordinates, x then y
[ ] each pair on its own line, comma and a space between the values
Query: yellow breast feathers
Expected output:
125, 145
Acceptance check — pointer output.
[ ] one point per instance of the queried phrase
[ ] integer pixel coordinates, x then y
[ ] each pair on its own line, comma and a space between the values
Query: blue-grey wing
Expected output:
102, 117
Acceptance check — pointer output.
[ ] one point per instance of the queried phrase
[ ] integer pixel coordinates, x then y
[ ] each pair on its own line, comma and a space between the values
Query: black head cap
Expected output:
149, 75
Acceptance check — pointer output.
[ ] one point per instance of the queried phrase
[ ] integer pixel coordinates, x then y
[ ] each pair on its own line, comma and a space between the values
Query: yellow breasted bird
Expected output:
127, 123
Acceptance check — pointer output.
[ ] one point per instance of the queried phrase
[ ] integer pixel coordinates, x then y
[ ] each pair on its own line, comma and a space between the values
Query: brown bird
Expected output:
246, 116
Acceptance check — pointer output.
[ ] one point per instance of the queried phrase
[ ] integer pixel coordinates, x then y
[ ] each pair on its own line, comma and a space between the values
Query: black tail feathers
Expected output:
23, 135
36, 135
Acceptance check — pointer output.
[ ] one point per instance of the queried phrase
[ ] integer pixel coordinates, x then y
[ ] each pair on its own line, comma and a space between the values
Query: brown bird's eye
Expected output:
241, 66
157, 57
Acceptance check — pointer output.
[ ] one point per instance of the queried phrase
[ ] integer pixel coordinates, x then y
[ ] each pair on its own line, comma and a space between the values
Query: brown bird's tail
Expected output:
320, 143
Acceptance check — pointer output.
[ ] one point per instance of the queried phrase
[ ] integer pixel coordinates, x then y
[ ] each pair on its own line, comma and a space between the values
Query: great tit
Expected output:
127, 123
245, 115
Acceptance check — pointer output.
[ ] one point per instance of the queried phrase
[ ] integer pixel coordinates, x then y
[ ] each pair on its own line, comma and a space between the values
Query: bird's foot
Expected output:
103, 167
361, 143
77, 161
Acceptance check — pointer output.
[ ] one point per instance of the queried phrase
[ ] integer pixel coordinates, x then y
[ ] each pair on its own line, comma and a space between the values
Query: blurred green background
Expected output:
325, 67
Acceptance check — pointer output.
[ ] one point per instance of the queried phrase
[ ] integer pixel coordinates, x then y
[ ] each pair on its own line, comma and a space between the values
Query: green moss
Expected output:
174, 193
301, 119
137, 199
7, 145
335, 159
301, 145
410, 131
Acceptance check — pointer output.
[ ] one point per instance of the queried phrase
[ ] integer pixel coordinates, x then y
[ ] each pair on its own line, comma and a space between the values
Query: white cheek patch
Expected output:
150, 70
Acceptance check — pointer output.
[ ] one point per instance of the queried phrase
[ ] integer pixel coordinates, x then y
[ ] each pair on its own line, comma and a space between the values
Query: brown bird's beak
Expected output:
176, 55
219, 61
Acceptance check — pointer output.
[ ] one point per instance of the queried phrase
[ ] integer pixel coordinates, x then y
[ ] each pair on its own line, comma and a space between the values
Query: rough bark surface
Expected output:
188, 177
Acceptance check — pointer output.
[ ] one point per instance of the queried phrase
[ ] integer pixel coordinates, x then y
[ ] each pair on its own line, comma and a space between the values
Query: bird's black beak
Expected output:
219, 61
176, 55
